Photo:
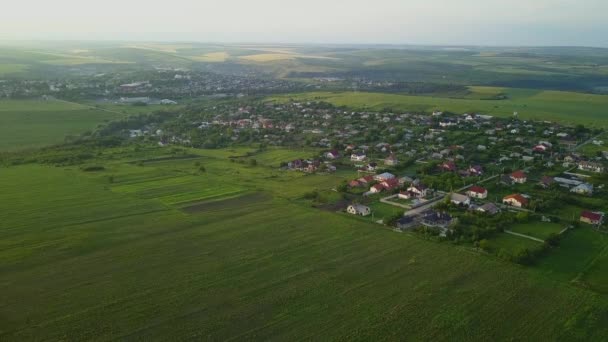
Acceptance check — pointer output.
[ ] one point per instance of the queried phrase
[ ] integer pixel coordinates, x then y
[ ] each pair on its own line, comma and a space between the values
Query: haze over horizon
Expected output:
434, 22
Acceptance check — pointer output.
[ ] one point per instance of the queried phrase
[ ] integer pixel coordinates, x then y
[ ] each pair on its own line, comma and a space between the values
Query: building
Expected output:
377, 188
434, 218
488, 208
448, 166
476, 170
583, 189
358, 157
459, 199
391, 160
546, 182
390, 184
384, 177
515, 200
358, 209
405, 222
418, 190
477, 192
591, 166
595, 218
333, 154
519, 177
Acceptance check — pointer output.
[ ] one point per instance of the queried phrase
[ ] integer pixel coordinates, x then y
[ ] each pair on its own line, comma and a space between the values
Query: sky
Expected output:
428, 22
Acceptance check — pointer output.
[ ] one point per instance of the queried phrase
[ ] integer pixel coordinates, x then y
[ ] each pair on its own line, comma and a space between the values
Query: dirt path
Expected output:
524, 236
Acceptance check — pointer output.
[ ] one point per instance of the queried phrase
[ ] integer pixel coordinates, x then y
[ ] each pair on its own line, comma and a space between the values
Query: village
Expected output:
455, 176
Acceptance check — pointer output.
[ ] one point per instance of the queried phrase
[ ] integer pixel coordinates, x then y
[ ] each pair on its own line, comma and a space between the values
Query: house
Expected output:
354, 184
459, 199
418, 190
384, 176
358, 157
448, 166
591, 166
477, 192
540, 148
515, 200
583, 189
434, 218
358, 209
405, 179
366, 180
390, 184
333, 154
371, 167
590, 217
406, 195
391, 160
375, 189
519, 177
506, 180
475, 170
405, 222
546, 182
488, 208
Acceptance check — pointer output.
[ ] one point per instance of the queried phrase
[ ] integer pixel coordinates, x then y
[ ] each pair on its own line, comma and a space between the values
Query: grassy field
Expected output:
510, 244
85, 258
7, 69
34, 123
580, 258
540, 230
563, 107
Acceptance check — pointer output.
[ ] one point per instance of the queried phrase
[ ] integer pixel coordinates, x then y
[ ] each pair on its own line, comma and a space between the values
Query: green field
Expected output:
7, 69
35, 123
540, 230
580, 258
558, 106
83, 257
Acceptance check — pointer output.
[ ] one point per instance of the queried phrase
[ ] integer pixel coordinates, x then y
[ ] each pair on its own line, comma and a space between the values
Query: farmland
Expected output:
86, 256
562, 107
35, 123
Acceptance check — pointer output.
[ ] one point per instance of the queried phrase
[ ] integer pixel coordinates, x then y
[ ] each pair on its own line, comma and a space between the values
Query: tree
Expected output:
202, 169
484, 244
253, 162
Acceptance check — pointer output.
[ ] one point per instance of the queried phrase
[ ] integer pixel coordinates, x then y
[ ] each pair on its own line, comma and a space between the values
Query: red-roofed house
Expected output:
376, 188
519, 177
390, 184
354, 184
477, 192
515, 200
476, 170
333, 154
448, 166
366, 180
592, 217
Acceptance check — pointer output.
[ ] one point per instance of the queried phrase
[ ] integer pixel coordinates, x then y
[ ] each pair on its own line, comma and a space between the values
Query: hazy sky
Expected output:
454, 22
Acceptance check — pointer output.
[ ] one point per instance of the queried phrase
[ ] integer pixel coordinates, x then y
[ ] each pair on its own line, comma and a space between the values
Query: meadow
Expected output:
35, 123
104, 256
558, 106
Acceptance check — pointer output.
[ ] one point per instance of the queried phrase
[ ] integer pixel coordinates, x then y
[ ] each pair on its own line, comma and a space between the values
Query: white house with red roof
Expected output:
519, 177
591, 217
515, 200
477, 192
